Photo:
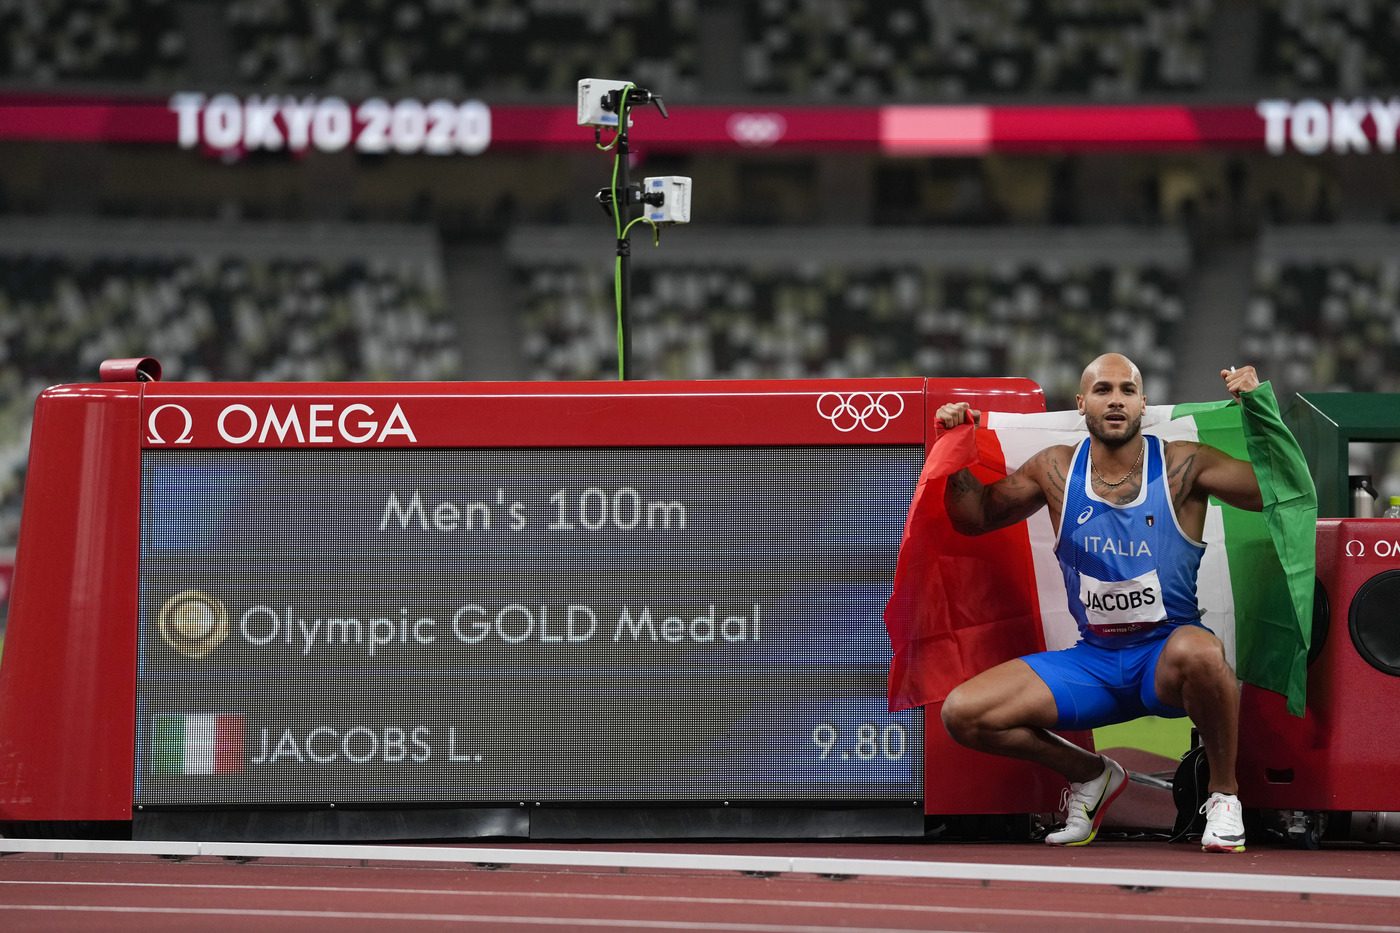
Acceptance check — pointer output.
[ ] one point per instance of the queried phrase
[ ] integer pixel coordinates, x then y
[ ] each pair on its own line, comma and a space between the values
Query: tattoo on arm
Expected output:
975, 508
963, 483
1056, 477
1179, 479
1003, 507
964, 497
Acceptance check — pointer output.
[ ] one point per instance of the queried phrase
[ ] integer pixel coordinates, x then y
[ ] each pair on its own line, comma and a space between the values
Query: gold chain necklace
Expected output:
1136, 463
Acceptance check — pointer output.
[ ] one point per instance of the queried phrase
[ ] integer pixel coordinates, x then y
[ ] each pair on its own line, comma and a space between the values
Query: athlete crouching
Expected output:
1142, 648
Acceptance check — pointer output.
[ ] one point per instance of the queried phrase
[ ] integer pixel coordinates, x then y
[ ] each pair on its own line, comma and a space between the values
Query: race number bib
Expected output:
1121, 607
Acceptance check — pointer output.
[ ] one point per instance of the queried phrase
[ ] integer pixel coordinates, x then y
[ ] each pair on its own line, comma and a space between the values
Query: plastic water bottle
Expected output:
1393, 510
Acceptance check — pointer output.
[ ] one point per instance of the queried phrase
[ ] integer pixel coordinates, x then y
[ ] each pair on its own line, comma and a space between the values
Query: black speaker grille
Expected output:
1375, 622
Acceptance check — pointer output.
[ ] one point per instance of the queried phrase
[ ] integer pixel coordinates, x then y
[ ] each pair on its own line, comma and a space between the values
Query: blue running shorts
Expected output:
1096, 686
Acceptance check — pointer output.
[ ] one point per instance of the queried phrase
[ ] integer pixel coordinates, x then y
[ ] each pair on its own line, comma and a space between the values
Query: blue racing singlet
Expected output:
1129, 569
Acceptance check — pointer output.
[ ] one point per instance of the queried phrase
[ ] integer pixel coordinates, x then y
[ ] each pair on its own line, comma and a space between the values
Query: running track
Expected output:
767, 887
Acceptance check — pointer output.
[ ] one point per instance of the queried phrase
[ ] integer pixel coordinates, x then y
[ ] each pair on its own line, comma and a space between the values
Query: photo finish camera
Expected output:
597, 99
667, 199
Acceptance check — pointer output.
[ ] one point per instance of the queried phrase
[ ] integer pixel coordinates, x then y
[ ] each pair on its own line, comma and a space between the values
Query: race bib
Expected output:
1121, 607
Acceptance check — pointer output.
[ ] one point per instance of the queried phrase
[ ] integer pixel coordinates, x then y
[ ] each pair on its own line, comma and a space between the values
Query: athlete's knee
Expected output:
962, 717
1198, 658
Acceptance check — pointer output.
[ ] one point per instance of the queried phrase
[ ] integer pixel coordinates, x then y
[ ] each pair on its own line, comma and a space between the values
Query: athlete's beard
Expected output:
1095, 424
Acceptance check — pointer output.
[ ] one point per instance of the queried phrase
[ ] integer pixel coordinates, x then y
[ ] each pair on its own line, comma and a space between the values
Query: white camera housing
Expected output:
675, 199
591, 94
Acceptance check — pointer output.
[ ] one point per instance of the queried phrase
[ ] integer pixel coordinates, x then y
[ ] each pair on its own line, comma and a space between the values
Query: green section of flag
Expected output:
1273, 553
168, 745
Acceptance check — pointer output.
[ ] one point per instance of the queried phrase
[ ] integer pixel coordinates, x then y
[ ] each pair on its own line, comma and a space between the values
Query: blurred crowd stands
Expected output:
912, 50
250, 302
1325, 308
463, 47
1325, 315
49, 42
804, 303
1342, 46
897, 50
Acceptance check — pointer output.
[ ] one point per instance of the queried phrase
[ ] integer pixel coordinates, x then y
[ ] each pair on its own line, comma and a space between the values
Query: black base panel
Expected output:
576, 823
726, 822
341, 825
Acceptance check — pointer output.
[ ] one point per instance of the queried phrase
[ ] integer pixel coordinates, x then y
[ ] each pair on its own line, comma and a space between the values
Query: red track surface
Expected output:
146, 893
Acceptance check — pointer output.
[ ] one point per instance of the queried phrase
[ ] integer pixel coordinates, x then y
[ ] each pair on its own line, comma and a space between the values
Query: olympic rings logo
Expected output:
846, 412
756, 129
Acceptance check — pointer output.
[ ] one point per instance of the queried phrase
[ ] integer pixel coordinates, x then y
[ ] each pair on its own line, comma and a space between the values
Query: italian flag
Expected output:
963, 604
197, 743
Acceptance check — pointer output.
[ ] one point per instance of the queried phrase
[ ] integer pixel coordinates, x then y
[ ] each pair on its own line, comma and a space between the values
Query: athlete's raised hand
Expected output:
1244, 379
952, 414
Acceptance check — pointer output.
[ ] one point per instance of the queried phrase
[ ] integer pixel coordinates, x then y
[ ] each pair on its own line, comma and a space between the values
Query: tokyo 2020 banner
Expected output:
226, 125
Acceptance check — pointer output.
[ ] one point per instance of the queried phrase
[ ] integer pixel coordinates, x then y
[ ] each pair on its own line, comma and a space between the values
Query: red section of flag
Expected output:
960, 604
228, 744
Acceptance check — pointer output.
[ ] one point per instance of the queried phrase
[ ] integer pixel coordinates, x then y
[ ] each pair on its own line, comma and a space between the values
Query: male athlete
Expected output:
1142, 648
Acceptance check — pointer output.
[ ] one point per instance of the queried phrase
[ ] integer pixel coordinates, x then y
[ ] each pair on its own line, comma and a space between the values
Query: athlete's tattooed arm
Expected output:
975, 508
1233, 481
1181, 475
1055, 476
1195, 472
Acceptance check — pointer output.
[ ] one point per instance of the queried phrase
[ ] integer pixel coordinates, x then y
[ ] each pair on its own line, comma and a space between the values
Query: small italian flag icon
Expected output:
197, 743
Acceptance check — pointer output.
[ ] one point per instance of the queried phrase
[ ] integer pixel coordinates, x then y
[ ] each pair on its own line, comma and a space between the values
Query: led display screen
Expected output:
500, 625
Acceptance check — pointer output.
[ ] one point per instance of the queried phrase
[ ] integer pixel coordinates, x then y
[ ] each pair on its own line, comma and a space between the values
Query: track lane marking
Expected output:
1202, 880
739, 902
614, 923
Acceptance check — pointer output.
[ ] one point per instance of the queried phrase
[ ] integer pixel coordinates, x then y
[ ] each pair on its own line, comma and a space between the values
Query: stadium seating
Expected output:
53, 41
903, 50
210, 315
911, 50
1342, 46
806, 312
897, 50
1327, 323
459, 47
1324, 315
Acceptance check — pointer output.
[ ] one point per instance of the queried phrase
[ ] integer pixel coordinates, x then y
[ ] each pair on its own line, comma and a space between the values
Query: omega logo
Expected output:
316, 424
153, 435
323, 423
1382, 548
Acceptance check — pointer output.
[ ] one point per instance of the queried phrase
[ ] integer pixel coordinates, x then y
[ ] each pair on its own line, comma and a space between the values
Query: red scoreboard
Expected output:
310, 610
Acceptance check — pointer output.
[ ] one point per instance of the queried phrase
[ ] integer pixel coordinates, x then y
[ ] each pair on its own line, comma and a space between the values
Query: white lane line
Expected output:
886, 868
615, 923
745, 902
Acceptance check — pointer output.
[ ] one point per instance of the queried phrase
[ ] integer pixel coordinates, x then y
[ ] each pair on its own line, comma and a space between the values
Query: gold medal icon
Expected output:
193, 623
